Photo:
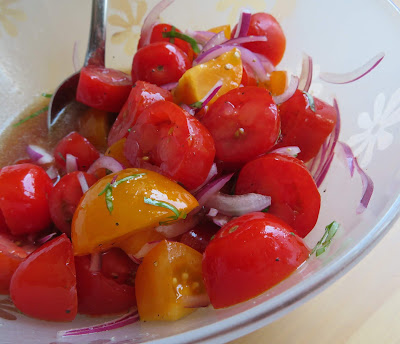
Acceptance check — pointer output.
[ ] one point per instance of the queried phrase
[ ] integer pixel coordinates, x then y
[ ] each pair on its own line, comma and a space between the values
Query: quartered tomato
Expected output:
306, 122
116, 151
136, 241
137, 200
142, 95
167, 136
199, 237
24, 191
64, 198
294, 195
159, 63
44, 284
103, 88
78, 146
249, 255
167, 282
244, 124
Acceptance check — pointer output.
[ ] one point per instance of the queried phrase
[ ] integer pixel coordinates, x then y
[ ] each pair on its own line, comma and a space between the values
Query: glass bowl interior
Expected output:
40, 41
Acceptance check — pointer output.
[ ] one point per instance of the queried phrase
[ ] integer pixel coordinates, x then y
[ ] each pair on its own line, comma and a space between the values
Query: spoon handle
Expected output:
95, 54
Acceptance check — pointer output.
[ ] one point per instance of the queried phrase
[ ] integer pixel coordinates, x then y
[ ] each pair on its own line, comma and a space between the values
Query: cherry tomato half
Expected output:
78, 146
244, 124
159, 63
167, 136
142, 95
199, 237
103, 88
24, 191
44, 284
264, 24
294, 195
249, 255
306, 125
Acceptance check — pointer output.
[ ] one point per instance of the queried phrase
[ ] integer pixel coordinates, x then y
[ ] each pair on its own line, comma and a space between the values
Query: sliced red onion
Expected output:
95, 262
195, 301
71, 163
106, 162
243, 24
348, 156
169, 86
75, 59
211, 93
267, 64
145, 249
127, 319
289, 151
151, 20
211, 174
52, 172
212, 188
217, 39
201, 37
179, 227
188, 109
247, 39
306, 73
212, 212
39, 155
238, 205
345, 78
83, 182
134, 259
221, 220
290, 90
212, 53
46, 238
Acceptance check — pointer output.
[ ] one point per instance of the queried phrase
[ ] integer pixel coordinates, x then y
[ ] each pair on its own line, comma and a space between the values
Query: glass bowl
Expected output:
41, 41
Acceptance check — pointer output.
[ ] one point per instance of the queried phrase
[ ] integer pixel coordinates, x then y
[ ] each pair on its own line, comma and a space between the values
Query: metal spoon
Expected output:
95, 55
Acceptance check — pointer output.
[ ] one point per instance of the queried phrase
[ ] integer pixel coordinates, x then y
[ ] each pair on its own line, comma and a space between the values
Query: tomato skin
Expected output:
142, 95
249, 78
294, 196
199, 237
103, 88
173, 140
78, 146
99, 295
244, 124
264, 24
64, 198
159, 63
24, 191
303, 127
116, 265
44, 284
249, 255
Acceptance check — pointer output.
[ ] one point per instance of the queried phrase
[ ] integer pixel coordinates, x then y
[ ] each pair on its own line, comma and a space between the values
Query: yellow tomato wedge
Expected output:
135, 242
116, 151
198, 80
277, 82
168, 277
123, 203
225, 28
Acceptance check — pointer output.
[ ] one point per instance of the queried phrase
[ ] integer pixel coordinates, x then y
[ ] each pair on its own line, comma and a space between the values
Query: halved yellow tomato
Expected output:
116, 151
225, 28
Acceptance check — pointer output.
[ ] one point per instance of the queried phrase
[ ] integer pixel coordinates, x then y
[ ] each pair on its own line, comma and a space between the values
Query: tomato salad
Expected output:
199, 192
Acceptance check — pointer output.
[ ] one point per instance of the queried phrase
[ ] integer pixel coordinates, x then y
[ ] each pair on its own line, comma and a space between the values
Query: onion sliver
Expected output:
145, 249
127, 319
211, 93
291, 89
83, 182
217, 39
211, 174
289, 151
212, 188
46, 238
188, 109
151, 20
169, 86
238, 205
201, 37
247, 39
306, 73
243, 24
345, 78
52, 172
179, 227
106, 162
71, 163
221, 220
39, 155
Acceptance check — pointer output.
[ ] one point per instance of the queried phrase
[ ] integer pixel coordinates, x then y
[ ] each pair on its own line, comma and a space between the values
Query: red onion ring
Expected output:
211, 93
212, 212
39, 155
221, 220
134, 259
217, 39
358, 73
348, 156
306, 73
52, 172
71, 163
106, 162
290, 90
188, 109
46, 238
243, 24
211, 174
289, 151
179, 227
238, 205
247, 39
169, 86
201, 37
210, 189
267, 64
83, 182
127, 319
145, 249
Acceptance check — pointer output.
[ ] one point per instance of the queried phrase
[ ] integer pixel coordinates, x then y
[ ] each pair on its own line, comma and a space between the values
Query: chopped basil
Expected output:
35, 114
310, 100
326, 239
166, 205
47, 95
232, 229
62, 157
180, 35
196, 105
266, 210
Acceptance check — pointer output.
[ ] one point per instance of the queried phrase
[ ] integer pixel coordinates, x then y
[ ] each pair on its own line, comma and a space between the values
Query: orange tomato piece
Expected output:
169, 274
225, 28
198, 80
95, 125
116, 151
135, 242
108, 214
277, 82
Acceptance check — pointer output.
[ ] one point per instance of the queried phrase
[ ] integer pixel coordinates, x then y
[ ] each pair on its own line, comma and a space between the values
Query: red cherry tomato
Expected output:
294, 195
249, 255
303, 127
159, 63
199, 236
167, 136
157, 36
249, 78
103, 88
264, 24
64, 198
116, 265
99, 295
24, 191
244, 124
142, 95
44, 284
78, 146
